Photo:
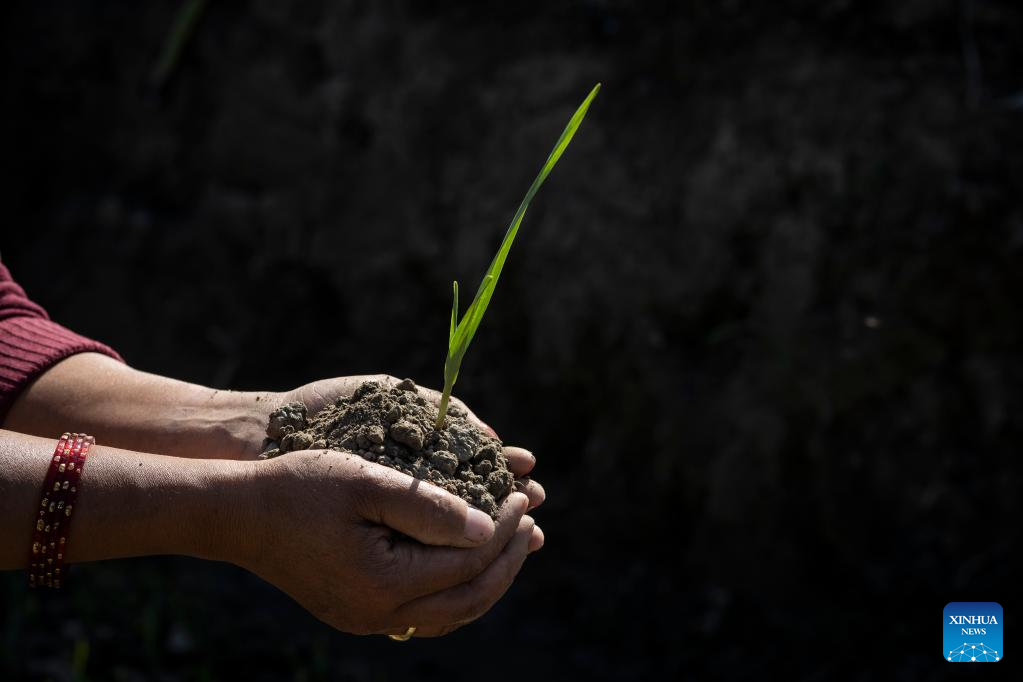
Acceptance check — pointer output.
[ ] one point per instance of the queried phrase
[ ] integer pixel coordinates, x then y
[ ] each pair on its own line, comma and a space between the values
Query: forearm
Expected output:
129, 503
130, 409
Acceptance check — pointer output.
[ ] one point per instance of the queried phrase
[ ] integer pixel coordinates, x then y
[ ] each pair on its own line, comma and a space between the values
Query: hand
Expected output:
368, 549
319, 394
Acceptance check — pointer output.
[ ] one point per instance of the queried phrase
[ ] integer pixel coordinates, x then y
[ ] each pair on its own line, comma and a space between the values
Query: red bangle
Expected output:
52, 531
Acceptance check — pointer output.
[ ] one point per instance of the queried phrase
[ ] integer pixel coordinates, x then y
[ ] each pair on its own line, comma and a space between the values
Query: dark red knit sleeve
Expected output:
30, 342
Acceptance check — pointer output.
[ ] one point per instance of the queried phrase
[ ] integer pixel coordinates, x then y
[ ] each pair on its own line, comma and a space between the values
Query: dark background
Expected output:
761, 327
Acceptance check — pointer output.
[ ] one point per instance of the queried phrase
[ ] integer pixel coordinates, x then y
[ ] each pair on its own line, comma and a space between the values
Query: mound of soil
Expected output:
395, 427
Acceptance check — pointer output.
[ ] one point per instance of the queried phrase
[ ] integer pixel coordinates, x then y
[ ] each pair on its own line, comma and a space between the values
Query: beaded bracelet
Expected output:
53, 521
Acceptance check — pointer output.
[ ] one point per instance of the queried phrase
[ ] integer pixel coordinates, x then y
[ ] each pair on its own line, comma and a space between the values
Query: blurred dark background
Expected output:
761, 327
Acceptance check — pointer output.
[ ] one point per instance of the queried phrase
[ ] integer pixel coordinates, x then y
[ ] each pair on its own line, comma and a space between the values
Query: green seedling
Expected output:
460, 333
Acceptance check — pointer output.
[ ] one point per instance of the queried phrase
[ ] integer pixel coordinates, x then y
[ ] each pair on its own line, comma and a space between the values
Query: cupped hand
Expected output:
319, 394
370, 550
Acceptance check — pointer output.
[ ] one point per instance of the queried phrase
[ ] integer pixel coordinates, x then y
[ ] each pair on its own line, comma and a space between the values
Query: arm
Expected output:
136, 410
321, 526
131, 503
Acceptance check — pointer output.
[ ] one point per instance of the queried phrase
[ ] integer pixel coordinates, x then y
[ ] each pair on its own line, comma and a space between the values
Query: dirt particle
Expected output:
290, 416
500, 483
375, 434
488, 505
407, 433
489, 452
444, 462
366, 388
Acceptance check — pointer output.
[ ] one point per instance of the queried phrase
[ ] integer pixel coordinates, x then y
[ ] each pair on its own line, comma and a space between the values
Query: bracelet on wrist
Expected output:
52, 532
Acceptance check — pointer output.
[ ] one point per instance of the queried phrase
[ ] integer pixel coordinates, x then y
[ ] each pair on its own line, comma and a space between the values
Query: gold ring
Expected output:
407, 636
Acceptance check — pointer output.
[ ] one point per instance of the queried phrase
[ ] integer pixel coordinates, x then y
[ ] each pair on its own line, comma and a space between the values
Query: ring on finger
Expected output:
405, 637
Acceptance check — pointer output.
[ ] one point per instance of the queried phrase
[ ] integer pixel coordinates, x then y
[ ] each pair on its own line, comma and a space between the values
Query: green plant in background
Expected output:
185, 21
460, 333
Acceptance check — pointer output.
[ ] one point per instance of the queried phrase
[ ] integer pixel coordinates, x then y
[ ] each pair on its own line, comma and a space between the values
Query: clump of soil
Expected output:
395, 427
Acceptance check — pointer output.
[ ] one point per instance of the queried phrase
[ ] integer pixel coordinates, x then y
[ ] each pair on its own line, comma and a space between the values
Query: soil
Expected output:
395, 427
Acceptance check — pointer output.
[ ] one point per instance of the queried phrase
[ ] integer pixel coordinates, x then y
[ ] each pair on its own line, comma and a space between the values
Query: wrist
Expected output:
229, 511
226, 424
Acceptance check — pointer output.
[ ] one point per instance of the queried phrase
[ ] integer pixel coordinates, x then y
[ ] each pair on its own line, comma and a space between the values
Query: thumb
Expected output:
424, 511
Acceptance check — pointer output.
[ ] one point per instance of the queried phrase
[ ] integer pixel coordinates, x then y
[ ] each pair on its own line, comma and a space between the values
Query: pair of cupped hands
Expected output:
368, 549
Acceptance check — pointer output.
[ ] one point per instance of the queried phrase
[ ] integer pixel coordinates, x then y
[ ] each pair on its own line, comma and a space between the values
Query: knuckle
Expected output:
398, 571
526, 524
379, 564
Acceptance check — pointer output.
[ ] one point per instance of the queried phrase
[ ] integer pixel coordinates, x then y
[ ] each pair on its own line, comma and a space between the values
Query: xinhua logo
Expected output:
972, 632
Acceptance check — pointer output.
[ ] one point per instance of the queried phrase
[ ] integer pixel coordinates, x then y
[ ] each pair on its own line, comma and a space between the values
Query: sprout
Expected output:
460, 333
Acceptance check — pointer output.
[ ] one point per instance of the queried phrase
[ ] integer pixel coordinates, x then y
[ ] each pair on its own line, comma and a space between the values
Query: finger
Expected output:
425, 570
533, 490
421, 510
470, 600
536, 540
520, 460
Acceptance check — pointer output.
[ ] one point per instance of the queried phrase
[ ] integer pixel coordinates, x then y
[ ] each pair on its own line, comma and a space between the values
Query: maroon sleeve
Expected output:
30, 342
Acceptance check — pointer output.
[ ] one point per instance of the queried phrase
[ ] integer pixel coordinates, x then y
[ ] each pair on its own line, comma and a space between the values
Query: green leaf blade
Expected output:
460, 335
497, 265
454, 315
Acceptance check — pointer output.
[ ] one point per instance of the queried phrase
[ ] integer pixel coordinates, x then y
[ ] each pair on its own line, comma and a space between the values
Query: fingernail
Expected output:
478, 526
